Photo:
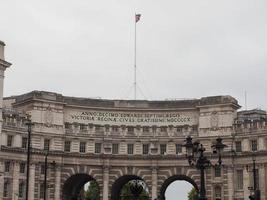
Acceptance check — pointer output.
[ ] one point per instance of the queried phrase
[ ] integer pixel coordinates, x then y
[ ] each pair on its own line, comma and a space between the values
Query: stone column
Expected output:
105, 182
230, 182
262, 183
3, 65
15, 183
262, 144
1, 179
154, 191
57, 182
32, 182
247, 183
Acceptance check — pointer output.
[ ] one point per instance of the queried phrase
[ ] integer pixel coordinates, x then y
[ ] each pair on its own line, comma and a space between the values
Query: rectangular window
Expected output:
22, 168
67, 146
46, 144
239, 174
178, 148
115, 148
163, 149
82, 147
145, 149
217, 171
9, 140
97, 128
254, 145
24, 142
130, 148
238, 146
7, 166
21, 189
130, 129
67, 125
83, 127
115, 129
98, 147
163, 129
42, 170
6, 188
146, 129
41, 191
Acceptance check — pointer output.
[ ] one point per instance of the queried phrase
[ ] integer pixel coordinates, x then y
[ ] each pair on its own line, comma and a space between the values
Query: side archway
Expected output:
171, 179
73, 185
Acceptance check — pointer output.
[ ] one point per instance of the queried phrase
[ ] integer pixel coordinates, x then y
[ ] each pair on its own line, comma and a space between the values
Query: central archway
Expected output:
174, 178
73, 186
122, 181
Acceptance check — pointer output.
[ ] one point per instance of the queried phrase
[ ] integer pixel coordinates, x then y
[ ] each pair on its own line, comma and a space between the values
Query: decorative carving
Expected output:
214, 120
49, 118
130, 170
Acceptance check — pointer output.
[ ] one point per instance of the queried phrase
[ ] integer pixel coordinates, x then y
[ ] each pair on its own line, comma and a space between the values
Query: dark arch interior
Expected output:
175, 178
73, 186
119, 183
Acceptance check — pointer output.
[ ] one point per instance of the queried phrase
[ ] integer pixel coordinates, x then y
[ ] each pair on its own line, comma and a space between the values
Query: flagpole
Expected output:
135, 56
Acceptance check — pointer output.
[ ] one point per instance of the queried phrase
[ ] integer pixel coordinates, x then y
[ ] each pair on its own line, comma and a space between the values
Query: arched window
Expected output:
218, 193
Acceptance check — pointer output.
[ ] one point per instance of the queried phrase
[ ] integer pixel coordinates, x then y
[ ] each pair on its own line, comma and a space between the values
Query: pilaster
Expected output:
32, 182
1, 178
105, 182
246, 179
154, 191
230, 182
262, 183
57, 182
15, 183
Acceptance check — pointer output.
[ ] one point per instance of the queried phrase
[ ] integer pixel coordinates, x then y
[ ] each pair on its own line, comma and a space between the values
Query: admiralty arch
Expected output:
115, 141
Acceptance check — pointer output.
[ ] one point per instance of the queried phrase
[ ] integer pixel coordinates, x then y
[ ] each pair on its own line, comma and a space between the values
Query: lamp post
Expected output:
195, 154
45, 173
256, 195
29, 124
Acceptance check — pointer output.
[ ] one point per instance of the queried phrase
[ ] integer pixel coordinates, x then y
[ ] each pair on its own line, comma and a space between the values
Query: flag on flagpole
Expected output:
137, 17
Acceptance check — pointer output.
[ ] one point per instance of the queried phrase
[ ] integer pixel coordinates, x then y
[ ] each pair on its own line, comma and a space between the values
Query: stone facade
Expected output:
114, 141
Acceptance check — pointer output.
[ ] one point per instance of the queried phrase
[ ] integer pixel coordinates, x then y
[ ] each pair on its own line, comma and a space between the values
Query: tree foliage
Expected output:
93, 191
126, 193
192, 195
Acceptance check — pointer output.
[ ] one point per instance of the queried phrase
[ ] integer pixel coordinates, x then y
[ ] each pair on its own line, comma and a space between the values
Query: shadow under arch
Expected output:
171, 179
73, 186
119, 183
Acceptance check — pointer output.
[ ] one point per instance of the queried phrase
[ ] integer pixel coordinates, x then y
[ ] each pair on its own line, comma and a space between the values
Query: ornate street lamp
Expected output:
136, 188
45, 173
256, 195
195, 154
29, 124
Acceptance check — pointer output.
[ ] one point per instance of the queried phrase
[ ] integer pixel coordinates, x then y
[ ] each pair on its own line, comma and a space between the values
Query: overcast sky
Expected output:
185, 49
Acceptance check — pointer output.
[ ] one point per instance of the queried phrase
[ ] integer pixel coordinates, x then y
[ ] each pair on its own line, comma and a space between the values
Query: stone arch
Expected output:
72, 174
120, 182
173, 178
73, 185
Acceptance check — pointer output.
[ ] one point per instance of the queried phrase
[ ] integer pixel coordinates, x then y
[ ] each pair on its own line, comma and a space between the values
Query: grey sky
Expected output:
185, 49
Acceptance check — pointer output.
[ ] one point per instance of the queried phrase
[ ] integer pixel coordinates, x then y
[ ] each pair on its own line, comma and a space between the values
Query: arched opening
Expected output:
129, 187
178, 186
76, 186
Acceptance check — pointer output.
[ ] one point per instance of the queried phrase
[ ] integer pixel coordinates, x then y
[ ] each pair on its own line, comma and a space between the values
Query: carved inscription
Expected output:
128, 118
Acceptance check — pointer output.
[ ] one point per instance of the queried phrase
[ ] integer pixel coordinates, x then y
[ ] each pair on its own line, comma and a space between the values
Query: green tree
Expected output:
126, 193
192, 195
93, 191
